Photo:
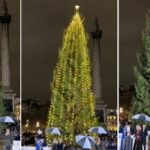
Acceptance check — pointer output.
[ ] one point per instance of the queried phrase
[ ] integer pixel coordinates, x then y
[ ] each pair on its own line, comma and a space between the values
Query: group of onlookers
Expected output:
11, 133
28, 138
101, 143
134, 138
37, 139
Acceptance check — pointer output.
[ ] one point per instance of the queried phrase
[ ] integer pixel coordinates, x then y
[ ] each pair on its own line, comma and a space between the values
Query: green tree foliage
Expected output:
141, 99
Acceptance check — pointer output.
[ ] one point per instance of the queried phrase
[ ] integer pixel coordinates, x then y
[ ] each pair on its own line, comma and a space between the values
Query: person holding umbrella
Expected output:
8, 140
138, 138
60, 144
55, 144
86, 142
98, 145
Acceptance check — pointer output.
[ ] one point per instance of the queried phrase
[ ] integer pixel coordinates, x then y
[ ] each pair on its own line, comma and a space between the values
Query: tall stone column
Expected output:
5, 19
97, 78
8, 94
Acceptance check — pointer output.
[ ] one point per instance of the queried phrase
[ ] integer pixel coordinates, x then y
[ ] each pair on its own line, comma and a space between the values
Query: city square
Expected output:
75, 75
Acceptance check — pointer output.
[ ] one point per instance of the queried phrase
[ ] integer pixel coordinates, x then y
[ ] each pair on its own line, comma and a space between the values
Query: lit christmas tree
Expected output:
72, 103
141, 99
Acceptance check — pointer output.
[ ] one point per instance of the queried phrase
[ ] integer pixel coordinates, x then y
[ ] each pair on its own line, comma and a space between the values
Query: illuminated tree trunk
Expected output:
72, 102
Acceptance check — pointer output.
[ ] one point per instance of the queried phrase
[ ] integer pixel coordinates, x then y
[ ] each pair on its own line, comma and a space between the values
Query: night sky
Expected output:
43, 27
132, 23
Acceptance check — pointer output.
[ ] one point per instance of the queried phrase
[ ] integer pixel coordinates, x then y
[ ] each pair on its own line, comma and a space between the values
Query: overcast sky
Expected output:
43, 26
132, 23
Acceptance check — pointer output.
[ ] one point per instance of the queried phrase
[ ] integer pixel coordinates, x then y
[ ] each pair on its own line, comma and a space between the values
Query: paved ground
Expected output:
1, 147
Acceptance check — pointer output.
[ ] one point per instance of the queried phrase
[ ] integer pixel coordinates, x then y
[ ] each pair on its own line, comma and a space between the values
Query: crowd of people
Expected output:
28, 138
134, 137
103, 142
9, 134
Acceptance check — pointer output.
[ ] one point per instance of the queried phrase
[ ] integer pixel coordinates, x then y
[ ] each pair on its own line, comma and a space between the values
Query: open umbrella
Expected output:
141, 117
98, 130
8, 119
85, 141
55, 131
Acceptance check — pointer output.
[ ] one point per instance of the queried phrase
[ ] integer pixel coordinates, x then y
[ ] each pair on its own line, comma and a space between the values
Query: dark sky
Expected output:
43, 26
14, 9
132, 23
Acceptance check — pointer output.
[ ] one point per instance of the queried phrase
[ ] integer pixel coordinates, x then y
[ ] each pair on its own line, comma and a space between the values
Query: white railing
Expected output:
16, 145
33, 148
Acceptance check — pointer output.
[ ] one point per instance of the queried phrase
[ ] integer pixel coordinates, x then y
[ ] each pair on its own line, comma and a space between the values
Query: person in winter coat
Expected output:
138, 138
55, 144
144, 135
60, 144
98, 144
8, 140
128, 142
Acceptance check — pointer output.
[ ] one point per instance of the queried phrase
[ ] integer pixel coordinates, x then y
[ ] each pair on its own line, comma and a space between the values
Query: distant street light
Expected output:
37, 124
27, 124
121, 110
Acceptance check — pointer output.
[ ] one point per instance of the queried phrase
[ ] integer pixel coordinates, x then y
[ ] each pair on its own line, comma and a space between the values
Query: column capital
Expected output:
97, 33
5, 17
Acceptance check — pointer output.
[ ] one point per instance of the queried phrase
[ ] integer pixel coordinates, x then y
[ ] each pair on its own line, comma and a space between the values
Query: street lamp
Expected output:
37, 124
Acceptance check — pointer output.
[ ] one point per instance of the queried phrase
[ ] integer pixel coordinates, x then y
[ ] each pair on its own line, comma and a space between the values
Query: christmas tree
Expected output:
72, 102
141, 99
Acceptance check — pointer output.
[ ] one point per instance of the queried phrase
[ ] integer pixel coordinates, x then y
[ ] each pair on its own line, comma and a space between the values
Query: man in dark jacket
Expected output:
60, 144
144, 135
